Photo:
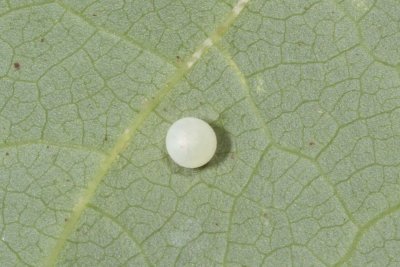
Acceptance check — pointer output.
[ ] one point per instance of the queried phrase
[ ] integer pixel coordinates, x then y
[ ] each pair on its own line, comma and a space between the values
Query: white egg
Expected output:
191, 142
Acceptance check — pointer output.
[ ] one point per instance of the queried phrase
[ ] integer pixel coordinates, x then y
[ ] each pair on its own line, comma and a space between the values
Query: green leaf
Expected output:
304, 97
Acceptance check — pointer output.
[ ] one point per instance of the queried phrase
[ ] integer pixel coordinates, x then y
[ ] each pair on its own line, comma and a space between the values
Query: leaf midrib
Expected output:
126, 137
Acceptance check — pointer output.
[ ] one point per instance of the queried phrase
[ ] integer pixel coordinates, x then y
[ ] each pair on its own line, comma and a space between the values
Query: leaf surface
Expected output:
304, 97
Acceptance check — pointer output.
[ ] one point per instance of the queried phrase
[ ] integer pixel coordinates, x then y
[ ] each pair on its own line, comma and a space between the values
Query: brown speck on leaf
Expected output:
311, 143
47, 147
94, 15
42, 40
66, 220
178, 59
221, 30
17, 66
105, 138
7, 154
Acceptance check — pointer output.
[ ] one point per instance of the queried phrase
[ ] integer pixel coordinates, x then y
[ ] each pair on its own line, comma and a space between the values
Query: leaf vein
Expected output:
127, 136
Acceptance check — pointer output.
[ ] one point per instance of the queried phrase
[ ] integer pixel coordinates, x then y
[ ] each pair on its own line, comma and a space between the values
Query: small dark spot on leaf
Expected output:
311, 143
105, 138
94, 15
164, 109
42, 40
47, 146
7, 154
66, 220
217, 224
17, 66
221, 30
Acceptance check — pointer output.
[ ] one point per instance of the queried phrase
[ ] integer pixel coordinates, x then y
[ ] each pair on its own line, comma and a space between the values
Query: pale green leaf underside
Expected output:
304, 96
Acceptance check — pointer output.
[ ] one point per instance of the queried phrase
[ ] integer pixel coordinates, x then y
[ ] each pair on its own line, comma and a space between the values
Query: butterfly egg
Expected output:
191, 142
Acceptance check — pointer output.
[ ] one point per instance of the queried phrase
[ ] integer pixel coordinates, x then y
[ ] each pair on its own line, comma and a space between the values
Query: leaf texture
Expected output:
304, 97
